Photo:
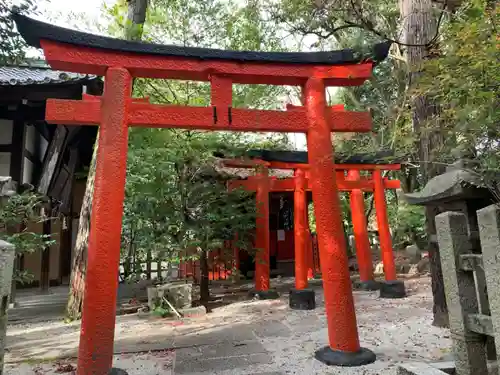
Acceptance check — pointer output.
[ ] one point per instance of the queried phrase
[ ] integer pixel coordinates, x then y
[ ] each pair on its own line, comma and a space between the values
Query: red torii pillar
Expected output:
301, 298
339, 303
362, 241
391, 288
262, 238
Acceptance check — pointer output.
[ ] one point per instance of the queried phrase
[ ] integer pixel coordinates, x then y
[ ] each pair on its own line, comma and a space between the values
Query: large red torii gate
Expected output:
119, 62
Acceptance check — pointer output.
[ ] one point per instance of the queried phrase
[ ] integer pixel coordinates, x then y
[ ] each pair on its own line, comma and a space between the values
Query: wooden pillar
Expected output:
363, 251
339, 303
383, 227
300, 229
262, 261
95, 354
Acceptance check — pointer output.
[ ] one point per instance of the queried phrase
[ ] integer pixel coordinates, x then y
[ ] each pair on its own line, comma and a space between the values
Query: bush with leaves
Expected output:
16, 213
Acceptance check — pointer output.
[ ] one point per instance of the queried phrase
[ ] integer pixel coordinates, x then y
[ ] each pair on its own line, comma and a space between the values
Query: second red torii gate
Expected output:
353, 183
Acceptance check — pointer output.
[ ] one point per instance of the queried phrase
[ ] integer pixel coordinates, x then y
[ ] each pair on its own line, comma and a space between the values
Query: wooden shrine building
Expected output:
45, 157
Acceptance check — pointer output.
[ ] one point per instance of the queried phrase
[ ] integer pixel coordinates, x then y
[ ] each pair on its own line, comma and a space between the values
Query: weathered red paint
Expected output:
339, 303
300, 229
99, 308
95, 61
262, 271
363, 251
87, 112
383, 227
310, 257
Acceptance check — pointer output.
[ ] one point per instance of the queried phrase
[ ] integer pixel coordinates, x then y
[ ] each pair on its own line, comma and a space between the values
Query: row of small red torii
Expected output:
353, 183
119, 62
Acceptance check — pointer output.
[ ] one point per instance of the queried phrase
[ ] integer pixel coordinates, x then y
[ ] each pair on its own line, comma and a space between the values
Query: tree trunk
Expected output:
79, 262
204, 285
419, 27
133, 31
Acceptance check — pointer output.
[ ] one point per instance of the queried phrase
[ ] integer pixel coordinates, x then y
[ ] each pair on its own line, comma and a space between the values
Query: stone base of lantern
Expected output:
331, 357
367, 285
303, 299
392, 289
263, 294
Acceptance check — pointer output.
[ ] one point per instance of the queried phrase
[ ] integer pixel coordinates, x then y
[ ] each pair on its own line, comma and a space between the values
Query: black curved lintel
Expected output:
34, 31
300, 157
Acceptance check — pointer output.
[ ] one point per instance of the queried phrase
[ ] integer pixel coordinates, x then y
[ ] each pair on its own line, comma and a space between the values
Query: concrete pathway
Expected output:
258, 338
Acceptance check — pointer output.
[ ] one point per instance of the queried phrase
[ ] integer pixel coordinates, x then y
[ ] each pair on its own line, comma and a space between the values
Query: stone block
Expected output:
193, 312
217, 365
461, 297
489, 231
413, 253
179, 294
419, 369
272, 329
392, 289
7, 255
263, 294
345, 359
302, 299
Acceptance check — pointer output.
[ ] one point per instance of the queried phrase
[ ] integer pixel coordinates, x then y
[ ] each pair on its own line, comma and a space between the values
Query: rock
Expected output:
413, 253
424, 265
413, 270
379, 269
179, 294
353, 264
403, 268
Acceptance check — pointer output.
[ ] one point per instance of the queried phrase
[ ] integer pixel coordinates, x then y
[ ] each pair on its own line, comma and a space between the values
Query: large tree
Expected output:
400, 114
133, 27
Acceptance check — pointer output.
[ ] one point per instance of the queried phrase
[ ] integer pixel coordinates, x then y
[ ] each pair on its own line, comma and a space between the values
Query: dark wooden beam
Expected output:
23, 112
17, 153
35, 93
6, 148
66, 194
53, 159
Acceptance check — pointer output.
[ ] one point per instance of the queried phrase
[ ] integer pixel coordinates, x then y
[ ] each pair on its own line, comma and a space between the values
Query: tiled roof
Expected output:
26, 75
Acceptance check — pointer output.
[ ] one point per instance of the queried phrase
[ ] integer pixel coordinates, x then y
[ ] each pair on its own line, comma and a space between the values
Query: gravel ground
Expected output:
396, 330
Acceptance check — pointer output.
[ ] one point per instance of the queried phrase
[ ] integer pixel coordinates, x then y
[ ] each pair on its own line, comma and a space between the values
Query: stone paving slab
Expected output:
193, 366
272, 329
214, 336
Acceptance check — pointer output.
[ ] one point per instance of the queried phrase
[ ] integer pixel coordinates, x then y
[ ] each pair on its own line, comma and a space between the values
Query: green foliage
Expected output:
464, 79
15, 214
407, 223
176, 194
12, 46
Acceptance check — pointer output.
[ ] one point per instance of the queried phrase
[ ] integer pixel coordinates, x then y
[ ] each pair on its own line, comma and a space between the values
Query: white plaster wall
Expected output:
5, 132
30, 139
28, 171
4, 163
